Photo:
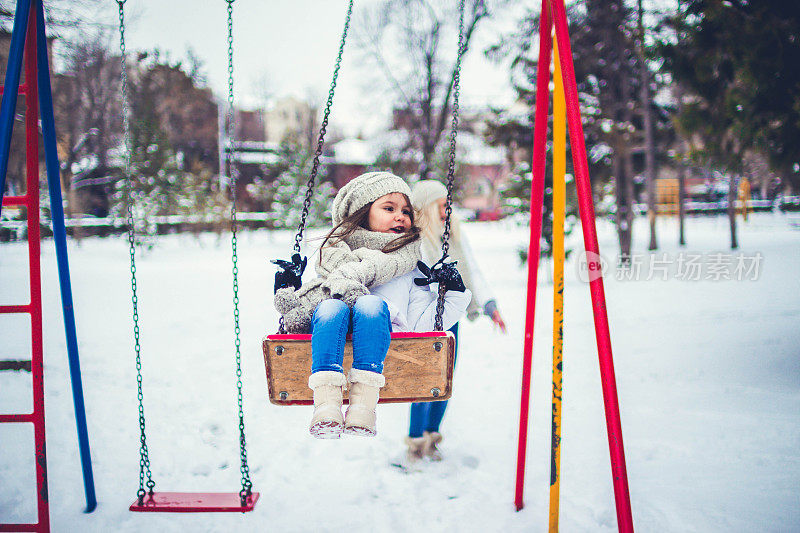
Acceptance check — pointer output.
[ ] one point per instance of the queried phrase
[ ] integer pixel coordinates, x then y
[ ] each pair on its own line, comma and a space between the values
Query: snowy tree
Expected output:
607, 70
173, 95
736, 65
516, 197
160, 187
173, 158
76, 40
410, 46
88, 113
286, 191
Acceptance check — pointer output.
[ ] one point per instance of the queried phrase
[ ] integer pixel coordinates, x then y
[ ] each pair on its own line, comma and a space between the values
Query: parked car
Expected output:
486, 215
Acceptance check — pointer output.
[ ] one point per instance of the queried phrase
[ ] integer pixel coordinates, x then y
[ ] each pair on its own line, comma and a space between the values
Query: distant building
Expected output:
5, 46
250, 125
350, 158
290, 117
15, 172
252, 152
481, 168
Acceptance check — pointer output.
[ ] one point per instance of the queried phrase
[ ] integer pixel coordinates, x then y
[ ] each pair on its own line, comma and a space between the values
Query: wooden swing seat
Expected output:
195, 502
418, 367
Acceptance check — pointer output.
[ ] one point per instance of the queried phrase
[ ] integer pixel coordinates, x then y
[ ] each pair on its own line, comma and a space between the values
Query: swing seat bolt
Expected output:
284, 395
435, 392
279, 350
437, 346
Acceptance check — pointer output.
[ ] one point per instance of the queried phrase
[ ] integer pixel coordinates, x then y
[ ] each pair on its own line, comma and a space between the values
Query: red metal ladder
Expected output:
34, 308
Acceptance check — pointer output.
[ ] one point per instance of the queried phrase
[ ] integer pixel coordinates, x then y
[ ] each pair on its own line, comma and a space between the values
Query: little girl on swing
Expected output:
365, 285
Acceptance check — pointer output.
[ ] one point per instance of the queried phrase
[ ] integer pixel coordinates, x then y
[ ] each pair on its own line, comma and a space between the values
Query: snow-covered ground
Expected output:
708, 373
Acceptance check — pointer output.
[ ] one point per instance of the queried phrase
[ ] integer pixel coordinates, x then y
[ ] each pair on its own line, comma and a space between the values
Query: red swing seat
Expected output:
195, 502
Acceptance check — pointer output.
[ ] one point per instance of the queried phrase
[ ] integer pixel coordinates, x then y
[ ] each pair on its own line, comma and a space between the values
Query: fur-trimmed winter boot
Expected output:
361, 418
327, 421
432, 440
416, 449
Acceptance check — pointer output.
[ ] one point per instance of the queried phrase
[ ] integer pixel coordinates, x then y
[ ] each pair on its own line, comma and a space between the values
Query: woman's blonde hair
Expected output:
431, 225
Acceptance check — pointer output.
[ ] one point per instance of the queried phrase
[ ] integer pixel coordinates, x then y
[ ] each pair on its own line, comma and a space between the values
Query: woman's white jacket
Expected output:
413, 308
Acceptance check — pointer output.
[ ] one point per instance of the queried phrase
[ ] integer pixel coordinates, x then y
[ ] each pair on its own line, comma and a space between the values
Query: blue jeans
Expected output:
368, 321
427, 416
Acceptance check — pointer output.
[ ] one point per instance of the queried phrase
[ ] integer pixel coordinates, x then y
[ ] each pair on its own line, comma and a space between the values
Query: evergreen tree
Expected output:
516, 133
607, 70
285, 193
736, 64
166, 180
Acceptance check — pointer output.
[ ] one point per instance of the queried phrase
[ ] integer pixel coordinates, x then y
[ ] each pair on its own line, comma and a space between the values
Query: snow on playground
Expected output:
708, 375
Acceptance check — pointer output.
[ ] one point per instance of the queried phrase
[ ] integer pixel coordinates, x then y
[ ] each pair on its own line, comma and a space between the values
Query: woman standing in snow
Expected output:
429, 198
366, 269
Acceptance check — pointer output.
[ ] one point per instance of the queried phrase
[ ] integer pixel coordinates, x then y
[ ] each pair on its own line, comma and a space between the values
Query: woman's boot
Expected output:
432, 440
415, 450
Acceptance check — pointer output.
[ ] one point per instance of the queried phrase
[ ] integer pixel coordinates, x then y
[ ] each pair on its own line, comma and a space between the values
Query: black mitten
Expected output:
292, 273
445, 274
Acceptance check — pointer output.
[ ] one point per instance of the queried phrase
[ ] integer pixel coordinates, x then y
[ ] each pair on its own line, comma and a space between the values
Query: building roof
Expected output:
471, 149
355, 152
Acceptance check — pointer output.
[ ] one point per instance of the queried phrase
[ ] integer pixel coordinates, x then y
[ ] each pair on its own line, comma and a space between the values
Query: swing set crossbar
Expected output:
195, 502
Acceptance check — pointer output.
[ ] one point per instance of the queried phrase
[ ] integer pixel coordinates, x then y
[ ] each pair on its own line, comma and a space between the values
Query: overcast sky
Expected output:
293, 45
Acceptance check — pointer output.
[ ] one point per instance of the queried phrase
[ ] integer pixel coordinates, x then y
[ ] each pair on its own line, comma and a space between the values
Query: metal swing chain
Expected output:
321, 140
244, 469
451, 161
320, 144
144, 458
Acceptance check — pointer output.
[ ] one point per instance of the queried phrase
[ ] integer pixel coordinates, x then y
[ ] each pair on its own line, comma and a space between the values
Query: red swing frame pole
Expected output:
537, 198
556, 10
586, 208
31, 201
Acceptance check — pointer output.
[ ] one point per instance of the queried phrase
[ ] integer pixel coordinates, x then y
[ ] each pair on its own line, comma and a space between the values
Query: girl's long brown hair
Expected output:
360, 219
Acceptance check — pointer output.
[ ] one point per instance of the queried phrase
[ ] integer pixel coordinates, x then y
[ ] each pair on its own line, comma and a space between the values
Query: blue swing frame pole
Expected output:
60, 238
9, 105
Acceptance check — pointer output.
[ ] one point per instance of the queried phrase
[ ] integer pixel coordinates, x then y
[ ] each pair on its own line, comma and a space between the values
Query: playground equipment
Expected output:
667, 196
744, 198
553, 16
559, 208
419, 366
147, 499
28, 36
553, 13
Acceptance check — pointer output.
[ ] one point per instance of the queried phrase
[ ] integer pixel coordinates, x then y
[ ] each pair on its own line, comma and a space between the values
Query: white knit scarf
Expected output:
359, 257
347, 270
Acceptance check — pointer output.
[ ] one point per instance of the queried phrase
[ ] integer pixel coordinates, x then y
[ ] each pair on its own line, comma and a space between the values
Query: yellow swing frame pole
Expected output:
559, 207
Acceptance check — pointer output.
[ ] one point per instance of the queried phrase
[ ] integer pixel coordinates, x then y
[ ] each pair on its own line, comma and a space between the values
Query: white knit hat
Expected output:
364, 189
426, 192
